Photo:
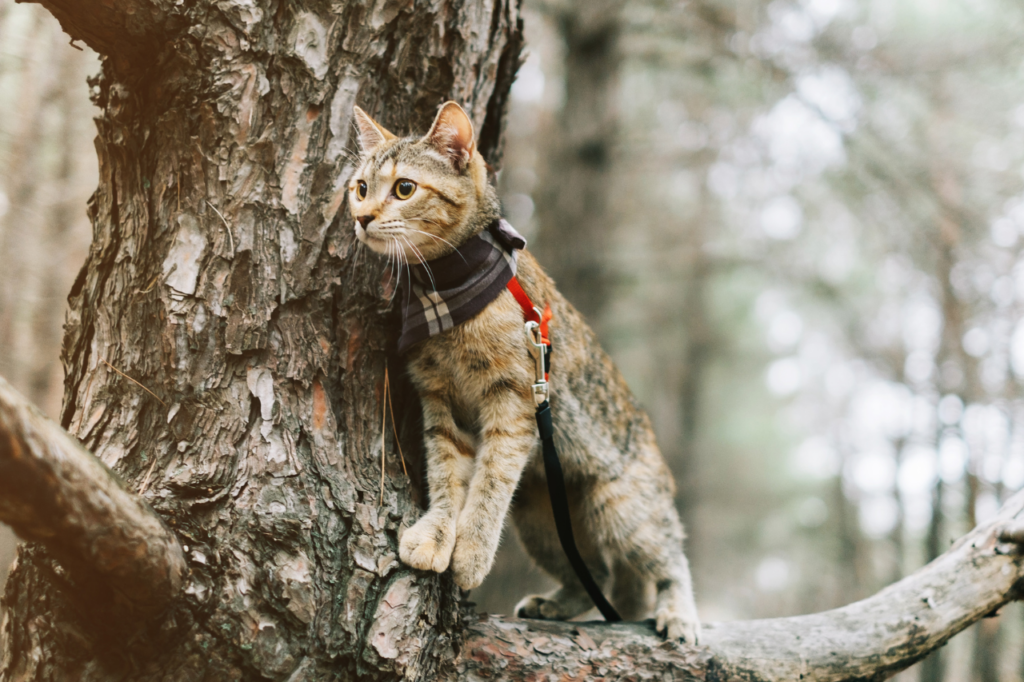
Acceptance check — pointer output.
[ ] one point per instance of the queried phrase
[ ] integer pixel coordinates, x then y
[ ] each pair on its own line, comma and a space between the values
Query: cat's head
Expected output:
423, 195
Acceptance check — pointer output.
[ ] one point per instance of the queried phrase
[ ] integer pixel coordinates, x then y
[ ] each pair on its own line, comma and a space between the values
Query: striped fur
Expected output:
483, 455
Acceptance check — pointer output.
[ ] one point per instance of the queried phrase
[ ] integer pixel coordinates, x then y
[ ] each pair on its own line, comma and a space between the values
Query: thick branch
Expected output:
125, 30
868, 640
53, 491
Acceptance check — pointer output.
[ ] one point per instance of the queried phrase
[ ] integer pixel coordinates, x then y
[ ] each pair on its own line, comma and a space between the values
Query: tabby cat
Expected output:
418, 200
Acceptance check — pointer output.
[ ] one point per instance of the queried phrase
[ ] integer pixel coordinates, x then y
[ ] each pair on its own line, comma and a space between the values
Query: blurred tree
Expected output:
575, 207
46, 175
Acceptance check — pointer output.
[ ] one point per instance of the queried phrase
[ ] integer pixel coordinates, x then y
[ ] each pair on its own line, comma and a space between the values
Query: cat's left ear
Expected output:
452, 135
371, 133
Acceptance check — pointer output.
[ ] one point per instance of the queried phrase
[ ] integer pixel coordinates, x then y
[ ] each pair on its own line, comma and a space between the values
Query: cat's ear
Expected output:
452, 135
371, 134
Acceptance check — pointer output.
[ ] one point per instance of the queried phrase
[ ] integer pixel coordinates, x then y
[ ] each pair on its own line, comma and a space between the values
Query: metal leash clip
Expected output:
537, 348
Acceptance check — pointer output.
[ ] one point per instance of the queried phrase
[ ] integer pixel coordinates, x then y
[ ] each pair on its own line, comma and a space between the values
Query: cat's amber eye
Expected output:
361, 190
404, 189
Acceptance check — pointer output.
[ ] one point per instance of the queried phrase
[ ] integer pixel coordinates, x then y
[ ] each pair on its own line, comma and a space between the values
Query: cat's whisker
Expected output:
399, 226
352, 153
404, 260
398, 264
391, 262
408, 272
412, 247
432, 222
440, 239
416, 251
400, 260
387, 259
426, 267
423, 262
348, 157
421, 259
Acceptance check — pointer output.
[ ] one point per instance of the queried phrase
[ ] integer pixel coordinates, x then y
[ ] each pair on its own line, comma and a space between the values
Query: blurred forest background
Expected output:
797, 227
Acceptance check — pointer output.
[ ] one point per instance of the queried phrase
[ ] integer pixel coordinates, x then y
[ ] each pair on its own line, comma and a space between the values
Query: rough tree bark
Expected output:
223, 279
225, 355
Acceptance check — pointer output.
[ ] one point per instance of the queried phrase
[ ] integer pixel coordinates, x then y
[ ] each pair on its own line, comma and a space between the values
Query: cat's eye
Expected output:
404, 189
361, 190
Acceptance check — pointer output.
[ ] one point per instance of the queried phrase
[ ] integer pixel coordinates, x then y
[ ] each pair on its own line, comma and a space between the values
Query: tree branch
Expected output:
126, 30
869, 640
53, 491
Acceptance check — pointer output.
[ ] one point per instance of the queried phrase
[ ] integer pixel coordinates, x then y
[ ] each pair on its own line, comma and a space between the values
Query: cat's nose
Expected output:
365, 220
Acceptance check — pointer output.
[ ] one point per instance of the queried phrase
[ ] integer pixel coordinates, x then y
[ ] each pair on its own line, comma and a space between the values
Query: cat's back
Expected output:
595, 413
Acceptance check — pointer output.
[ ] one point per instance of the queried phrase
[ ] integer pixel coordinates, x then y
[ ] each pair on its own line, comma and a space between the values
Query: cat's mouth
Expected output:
375, 242
393, 238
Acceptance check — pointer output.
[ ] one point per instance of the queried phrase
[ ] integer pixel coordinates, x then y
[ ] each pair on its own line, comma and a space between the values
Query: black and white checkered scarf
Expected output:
464, 282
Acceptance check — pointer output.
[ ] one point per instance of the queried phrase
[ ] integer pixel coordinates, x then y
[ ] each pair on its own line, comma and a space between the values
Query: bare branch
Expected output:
53, 491
868, 640
125, 30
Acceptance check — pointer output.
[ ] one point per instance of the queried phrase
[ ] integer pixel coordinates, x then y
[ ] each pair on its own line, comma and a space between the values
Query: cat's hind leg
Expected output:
639, 526
632, 594
535, 525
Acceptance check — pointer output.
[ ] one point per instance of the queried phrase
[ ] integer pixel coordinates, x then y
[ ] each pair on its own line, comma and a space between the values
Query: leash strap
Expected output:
560, 507
540, 348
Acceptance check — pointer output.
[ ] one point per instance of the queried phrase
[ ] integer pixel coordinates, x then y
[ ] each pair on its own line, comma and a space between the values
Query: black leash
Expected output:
540, 349
560, 507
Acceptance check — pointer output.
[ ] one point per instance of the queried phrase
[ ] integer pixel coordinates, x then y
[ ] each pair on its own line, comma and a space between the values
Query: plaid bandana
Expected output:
464, 282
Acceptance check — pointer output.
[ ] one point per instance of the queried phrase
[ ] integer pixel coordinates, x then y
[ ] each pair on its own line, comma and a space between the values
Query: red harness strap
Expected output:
530, 315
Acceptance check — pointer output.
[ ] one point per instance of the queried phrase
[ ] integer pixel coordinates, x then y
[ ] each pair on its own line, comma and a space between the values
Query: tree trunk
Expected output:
697, 358
226, 354
226, 345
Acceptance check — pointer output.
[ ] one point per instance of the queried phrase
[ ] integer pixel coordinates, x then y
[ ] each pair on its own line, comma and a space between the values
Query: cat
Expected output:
417, 200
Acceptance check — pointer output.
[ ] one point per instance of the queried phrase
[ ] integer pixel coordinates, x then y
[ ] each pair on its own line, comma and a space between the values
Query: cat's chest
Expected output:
464, 363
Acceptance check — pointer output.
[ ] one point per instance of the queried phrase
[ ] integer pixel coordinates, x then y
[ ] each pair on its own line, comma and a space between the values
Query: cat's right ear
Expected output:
452, 135
371, 134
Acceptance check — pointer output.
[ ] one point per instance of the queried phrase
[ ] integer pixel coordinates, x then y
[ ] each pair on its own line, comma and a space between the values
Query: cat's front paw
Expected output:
428, 544
676, 625
471, 561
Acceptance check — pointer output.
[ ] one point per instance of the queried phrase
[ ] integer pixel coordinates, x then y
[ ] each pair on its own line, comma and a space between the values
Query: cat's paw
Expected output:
675, 625
427, 545
471, 562
539, 606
